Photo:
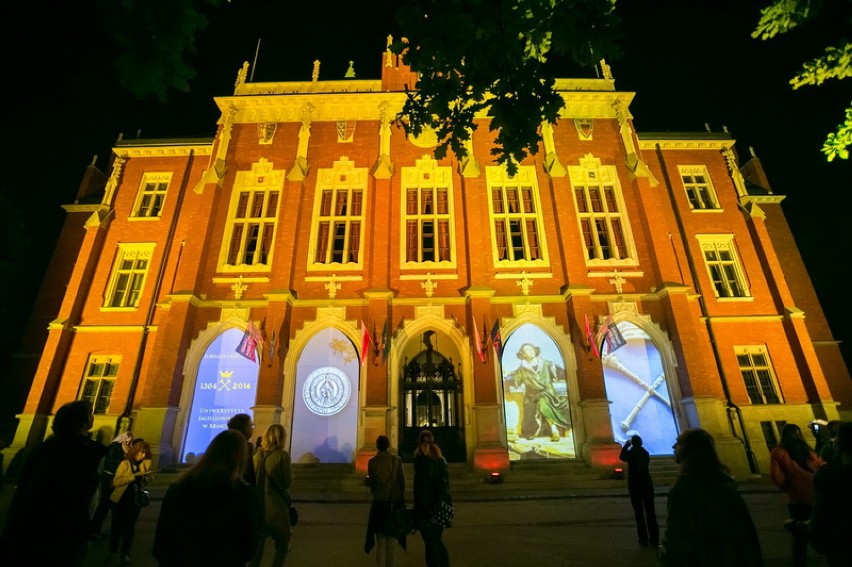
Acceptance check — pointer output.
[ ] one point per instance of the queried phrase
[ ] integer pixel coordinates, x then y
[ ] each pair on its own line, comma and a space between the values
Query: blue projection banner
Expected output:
636, 386
226, 385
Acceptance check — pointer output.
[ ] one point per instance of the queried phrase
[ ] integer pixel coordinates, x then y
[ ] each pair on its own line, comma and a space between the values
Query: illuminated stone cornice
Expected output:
325, 107
113, 328
594, 104
90, 208
666, 141
309, 87
764, 199
278, 104
744, 318
163, 148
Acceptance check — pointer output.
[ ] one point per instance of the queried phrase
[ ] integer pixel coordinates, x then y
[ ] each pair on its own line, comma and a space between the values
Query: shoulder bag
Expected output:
294, 514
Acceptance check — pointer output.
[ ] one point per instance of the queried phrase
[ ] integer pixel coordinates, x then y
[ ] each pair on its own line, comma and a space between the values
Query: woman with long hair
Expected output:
431, 489
274, 477
793, 464
210, 516
131, 476
708, 523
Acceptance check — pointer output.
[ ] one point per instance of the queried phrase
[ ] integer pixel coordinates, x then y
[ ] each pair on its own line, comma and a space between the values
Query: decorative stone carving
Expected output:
585, 128
266, 132
332, 286
429, 285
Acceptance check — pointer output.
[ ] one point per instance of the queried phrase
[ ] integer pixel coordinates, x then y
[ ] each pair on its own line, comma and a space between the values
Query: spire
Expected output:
350, 72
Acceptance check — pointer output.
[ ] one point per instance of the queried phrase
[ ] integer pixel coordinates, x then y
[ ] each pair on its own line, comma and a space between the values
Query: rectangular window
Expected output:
98, 382
248, 240
723, 266
339, 227
699, 190
151, 195
339, 217
516, 220
427, 214
758, 375
600, 222
128, 275
252, 227
604, 228
427, 224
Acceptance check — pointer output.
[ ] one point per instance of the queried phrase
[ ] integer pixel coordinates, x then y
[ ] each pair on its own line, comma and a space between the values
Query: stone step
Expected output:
523, 480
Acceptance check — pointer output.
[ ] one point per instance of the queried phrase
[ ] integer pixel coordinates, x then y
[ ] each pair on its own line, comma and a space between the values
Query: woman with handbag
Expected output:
433, 504
387, 523
274, 477
128, 497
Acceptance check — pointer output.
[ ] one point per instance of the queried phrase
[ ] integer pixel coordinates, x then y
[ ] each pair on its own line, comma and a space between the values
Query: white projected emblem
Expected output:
326, 390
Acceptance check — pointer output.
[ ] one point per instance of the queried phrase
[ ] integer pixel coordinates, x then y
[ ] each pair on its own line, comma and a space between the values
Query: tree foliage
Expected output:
489, 56
836, 62
154, 41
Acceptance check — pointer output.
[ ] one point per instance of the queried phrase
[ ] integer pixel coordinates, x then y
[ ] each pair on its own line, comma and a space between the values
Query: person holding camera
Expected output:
641, 489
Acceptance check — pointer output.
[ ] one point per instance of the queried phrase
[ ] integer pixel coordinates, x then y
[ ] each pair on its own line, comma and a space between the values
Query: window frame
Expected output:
343, 176
427, 174
261, 181
730, 269
696, 195
592, 174
759, 383
125, 251
162, 181
497, 177
100, 402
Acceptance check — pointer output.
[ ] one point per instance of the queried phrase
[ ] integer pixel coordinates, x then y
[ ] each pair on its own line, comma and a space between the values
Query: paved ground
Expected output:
586, 528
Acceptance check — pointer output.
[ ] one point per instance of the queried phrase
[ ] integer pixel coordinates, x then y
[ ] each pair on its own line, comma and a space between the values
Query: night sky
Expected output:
690, 63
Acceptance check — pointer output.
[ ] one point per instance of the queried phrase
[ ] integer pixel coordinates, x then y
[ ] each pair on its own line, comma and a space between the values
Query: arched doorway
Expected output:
431, 391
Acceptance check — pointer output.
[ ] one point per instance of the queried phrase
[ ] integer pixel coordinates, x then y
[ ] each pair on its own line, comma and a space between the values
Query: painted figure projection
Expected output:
325, 409
636, 387
226, 385
535, 394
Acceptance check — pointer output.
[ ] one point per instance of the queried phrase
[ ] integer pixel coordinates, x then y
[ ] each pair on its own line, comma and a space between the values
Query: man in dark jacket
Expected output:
56, 486
641, 489
243, 423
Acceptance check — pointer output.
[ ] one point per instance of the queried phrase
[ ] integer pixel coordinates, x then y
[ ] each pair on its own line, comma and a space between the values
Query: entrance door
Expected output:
431, 390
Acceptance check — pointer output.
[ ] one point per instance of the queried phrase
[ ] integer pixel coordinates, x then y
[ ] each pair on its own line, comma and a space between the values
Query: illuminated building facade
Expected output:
637, 282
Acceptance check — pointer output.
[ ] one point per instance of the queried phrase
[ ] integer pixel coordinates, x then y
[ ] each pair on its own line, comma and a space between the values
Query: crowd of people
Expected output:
247, 488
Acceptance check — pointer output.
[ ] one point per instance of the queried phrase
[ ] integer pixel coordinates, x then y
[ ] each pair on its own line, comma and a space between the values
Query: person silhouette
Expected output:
208, 497
793, 464
831, 520
55, 489
641, 489
708, 523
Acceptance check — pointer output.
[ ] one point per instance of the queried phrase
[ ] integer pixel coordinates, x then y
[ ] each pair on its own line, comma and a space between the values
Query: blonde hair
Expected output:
426, 446
273, 438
